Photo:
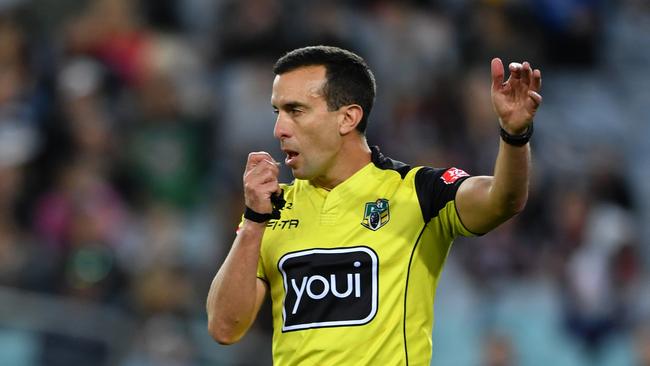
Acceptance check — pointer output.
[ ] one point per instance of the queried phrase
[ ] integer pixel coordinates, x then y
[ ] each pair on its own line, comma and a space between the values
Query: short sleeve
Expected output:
436, 190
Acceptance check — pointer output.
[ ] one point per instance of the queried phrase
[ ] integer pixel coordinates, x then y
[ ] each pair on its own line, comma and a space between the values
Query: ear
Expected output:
350, 117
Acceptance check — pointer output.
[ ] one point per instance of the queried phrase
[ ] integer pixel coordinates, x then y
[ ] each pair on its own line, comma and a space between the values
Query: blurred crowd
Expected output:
125, 125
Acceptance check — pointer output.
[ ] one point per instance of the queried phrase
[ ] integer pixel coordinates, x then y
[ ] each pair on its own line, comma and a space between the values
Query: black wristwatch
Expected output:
516, 140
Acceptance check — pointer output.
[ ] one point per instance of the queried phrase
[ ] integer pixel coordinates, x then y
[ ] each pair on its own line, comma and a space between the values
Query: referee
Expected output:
352, 250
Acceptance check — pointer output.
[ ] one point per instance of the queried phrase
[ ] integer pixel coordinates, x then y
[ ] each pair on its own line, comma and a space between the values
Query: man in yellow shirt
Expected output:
351, 251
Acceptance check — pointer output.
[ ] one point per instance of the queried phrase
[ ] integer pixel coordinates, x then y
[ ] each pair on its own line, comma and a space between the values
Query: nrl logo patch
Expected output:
376, 214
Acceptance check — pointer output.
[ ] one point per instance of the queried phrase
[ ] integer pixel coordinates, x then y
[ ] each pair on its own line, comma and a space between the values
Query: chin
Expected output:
301, 174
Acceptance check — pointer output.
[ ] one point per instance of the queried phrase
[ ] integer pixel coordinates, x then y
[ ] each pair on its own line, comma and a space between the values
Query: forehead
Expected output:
301, 84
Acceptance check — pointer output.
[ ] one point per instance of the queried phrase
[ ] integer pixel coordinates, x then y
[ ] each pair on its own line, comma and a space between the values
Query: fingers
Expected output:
532, 78
526, 73
270, 188
260, 181
519, 75
535, 97
255, 158
497, 73
515, 70
517, 99
262, 172
258, 197
536, 83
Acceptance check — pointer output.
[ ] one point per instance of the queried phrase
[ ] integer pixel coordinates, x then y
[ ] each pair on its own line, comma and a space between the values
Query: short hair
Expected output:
348, 77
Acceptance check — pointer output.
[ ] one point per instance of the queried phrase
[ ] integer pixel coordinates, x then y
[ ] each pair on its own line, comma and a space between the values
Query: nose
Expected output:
281, 129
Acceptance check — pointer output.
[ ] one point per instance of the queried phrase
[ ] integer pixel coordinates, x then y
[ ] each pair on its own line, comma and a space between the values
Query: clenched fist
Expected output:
260, 181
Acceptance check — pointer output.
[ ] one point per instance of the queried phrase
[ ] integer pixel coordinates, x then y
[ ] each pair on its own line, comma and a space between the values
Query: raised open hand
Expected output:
516, 100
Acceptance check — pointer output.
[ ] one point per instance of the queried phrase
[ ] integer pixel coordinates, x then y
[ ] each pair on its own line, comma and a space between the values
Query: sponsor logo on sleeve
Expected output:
452, 175
329, 287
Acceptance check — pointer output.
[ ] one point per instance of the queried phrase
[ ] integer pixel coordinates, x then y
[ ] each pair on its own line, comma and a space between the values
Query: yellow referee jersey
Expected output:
352, 272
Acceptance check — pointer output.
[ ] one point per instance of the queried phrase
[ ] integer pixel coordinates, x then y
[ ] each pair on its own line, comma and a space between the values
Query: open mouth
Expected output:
291, 156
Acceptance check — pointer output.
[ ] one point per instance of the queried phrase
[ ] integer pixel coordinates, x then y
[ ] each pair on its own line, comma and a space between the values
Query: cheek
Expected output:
321, 138
322, 145
328, 133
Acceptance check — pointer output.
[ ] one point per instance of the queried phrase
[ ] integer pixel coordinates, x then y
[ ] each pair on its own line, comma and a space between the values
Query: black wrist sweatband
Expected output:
256, 216
516, 140
277, 201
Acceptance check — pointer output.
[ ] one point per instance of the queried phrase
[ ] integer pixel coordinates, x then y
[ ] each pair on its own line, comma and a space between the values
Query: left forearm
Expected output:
509, 189
483, 202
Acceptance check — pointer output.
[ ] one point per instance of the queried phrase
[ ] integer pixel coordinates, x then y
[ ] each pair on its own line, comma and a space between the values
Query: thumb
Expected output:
497, 73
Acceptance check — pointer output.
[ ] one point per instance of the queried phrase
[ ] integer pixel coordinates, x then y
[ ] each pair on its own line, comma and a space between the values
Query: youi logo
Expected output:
329, 287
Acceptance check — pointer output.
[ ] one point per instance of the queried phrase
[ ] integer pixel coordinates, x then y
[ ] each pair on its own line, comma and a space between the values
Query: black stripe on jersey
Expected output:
433, 193
406, 290
385, 163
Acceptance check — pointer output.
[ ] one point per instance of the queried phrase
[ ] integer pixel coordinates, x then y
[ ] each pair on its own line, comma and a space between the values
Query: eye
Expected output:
295, 111
275, 111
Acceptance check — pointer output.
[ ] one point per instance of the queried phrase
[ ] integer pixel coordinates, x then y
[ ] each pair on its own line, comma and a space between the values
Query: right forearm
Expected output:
232, 299
236, 294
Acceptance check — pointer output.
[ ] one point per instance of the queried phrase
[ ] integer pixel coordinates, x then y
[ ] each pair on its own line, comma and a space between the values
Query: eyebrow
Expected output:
290, 105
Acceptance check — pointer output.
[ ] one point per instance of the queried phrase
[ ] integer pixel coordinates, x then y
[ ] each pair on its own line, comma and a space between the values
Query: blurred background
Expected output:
124, 130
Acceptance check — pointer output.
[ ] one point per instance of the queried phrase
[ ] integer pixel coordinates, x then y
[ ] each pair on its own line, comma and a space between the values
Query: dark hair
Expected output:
348, 77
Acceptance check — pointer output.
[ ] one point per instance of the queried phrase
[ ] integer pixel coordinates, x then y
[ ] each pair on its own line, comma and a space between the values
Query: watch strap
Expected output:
516, 140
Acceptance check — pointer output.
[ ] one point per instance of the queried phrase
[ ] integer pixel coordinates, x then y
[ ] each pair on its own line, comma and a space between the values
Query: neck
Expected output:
352, 157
